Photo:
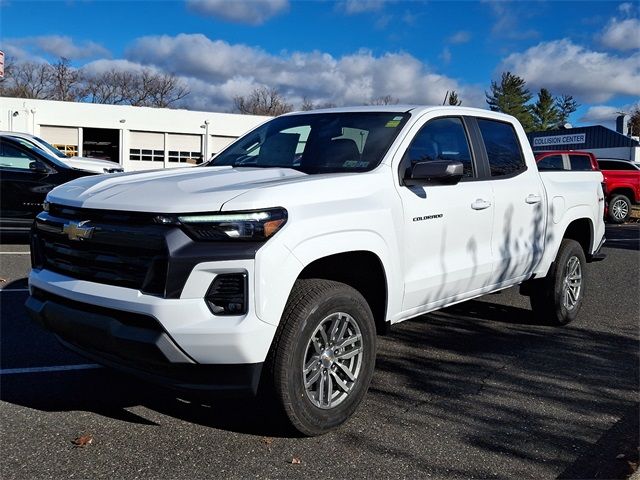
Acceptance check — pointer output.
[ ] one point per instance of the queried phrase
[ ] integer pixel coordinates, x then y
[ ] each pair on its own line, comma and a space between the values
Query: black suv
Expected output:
27, 174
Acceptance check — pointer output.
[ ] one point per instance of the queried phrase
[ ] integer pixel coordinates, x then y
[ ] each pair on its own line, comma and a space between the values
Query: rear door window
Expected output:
550, 163
502, 146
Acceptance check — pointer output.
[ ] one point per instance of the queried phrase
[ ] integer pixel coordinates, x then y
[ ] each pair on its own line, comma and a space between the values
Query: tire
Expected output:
557, 298
619, 209
300, 354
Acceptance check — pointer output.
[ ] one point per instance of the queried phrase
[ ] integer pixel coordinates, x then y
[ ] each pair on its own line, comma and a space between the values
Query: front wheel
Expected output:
557, 298
619, 209
322, 359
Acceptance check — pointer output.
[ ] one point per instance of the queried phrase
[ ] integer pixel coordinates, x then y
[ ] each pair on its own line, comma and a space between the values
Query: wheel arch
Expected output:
360, 269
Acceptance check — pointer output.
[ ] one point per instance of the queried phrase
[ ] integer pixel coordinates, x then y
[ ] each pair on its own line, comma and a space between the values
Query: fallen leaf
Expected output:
267, 441
295, 461
82, 441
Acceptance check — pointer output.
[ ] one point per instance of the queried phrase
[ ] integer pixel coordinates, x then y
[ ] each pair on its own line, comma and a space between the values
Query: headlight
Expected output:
257, 225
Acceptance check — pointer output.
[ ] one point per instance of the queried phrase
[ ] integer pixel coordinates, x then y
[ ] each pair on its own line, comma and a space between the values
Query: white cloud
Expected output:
459, 37
57, 46
622, 34
252, 12
567, 68
354, 7
606, 114
217, 71
445, 55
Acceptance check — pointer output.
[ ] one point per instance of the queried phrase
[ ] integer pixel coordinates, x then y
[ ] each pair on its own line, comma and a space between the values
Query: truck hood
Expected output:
90, 164
181, 190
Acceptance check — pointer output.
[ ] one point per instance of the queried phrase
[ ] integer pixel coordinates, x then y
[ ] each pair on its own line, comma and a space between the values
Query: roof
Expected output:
595, 136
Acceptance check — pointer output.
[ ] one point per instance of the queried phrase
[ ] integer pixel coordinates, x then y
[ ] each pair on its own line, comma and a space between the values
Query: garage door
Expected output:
184, 149
146, 150
63, 138
219, 143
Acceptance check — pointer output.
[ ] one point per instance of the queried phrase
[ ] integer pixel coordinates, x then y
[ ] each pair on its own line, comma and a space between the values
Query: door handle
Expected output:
533, 198
480, 204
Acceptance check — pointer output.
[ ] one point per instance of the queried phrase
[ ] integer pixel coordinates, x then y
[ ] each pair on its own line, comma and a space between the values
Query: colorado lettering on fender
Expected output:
427, 217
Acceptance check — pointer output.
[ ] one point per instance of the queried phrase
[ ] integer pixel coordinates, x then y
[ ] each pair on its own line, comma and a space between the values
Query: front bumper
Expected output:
136, 344
171, 341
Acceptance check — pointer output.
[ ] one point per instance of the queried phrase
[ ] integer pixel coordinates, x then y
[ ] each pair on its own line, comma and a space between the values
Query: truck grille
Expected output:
117, 252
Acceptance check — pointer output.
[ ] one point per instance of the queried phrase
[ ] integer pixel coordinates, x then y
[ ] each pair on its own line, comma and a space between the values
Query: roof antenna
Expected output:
446, 95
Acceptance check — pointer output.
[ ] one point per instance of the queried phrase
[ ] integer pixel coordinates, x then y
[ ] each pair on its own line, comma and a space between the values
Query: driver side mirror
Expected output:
38, 167
439, 172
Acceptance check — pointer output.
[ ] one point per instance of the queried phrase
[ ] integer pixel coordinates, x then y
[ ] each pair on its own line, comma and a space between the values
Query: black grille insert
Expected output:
131, 256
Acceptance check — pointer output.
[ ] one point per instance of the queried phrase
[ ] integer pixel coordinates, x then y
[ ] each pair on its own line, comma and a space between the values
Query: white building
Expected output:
138, 138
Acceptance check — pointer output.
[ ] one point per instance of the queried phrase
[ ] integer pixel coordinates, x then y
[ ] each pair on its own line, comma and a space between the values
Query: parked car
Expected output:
81, 163
276, 265
621, 178
27, 174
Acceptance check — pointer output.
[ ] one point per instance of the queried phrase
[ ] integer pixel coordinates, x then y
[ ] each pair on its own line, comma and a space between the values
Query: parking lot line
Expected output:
58, 368
15, 253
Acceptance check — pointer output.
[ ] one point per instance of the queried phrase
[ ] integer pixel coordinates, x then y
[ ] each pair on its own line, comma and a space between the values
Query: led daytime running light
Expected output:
234, 217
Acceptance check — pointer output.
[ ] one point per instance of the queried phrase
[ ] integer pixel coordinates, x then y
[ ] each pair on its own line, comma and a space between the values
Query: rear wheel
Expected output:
557, 298
322, 359
619, 209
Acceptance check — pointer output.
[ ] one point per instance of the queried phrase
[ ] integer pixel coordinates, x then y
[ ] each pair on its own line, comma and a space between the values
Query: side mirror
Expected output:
439, 172
37, 167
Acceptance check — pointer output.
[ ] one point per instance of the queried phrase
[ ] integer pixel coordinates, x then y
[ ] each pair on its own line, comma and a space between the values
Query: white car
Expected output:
276, 265
81, 163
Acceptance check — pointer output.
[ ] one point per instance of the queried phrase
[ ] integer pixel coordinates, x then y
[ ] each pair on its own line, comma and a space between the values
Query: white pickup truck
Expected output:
274, 266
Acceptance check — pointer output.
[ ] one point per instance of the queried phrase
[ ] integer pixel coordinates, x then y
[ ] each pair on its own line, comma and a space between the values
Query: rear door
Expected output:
447, 228
519, 199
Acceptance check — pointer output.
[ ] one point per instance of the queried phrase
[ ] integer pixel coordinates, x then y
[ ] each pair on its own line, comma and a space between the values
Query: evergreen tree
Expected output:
453, 99
565, 105
544, 111
511, 96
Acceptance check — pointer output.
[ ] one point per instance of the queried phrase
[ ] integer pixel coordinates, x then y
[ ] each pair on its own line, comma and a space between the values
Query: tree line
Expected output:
61, 81
146, 87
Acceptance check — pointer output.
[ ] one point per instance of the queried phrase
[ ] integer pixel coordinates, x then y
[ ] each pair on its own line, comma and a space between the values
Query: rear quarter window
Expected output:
503, 148
580, 163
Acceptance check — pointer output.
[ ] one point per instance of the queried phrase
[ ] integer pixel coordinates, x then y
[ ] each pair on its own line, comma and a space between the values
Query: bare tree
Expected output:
262, 101
146, 88
27, 80
163, 89
383, 100
65, 81
307, 104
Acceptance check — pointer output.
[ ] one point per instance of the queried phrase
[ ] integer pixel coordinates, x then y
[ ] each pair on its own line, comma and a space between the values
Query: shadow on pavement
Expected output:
525, 391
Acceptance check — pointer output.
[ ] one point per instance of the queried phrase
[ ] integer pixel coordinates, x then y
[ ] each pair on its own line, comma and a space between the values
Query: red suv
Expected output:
621, 178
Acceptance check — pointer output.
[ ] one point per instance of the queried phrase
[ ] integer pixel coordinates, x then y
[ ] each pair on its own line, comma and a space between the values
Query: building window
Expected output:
138, 154
193, 158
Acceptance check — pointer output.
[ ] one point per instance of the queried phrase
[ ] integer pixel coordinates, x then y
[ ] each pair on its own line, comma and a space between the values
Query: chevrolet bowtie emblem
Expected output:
77, 230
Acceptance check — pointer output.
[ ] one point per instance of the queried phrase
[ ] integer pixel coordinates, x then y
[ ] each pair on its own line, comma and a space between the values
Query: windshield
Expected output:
317, 143
51, 148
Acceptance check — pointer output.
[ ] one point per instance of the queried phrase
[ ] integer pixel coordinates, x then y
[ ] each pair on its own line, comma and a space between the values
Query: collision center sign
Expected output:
568, 139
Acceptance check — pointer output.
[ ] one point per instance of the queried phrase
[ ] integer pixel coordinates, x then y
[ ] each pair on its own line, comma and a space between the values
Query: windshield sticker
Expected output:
392, 123
350, 164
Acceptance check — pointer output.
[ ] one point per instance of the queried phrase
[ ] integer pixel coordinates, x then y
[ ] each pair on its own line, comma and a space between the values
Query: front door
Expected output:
447, 228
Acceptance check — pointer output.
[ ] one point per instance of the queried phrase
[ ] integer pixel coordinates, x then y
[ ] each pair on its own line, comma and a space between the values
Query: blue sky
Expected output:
346, 52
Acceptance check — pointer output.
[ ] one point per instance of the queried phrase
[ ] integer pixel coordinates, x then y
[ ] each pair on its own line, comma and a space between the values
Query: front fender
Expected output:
277, 273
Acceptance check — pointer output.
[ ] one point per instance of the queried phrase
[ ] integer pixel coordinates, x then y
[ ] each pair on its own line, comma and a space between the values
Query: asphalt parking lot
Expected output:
476, 391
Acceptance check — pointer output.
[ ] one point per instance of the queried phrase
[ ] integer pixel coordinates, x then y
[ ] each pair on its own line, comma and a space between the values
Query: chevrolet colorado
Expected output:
276, 264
